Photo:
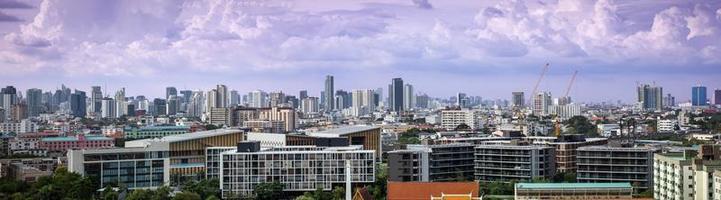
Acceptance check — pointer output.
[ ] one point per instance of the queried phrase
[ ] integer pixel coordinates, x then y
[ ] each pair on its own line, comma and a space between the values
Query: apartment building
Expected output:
606, 164
514, 162
431, 163
672, 176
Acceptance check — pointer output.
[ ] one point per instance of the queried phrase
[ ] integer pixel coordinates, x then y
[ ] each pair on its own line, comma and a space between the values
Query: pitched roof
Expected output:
426, 190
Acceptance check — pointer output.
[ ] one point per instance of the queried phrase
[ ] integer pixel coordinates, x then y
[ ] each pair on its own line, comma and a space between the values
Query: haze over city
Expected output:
485, 48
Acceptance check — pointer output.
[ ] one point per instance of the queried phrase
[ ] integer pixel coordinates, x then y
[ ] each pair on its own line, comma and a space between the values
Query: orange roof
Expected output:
424, 190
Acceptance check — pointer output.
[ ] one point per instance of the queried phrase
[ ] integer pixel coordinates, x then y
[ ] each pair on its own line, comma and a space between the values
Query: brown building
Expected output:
566, 146
368, 136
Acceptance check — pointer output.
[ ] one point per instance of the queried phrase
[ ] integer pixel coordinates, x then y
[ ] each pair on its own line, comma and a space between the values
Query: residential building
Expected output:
566, 146
431, 163
513, 162
672, 176
602, 164
329, 97
452, 118
533, 191
704, 165
34, 101
541, 103
154, 131
298, 168
666, 125
80, 141
518, 99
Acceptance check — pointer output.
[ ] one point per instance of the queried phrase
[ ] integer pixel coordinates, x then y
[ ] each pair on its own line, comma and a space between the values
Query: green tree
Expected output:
319, 194
378, 189
109, 193
187, 196
580, 125
205, 188
462, 127
162, 193
269, 191
305, 196
338, 193
140, 195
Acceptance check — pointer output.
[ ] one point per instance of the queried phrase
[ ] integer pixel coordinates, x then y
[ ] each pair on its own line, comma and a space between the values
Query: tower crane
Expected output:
570, 83
568, 89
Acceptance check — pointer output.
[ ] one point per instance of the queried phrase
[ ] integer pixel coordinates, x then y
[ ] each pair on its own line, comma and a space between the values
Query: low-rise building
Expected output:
154, 131
433, 191
424, 163
533, 191
80, 141
511, 162
298, 168
604, 164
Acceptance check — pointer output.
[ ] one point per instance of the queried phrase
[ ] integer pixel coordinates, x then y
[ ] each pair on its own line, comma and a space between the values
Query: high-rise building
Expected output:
395, 95
195, 105
518, 99
461, 100
120, 103
173, 105
303, 94
328, 94
650, 97
234, 98
409, 97
717, 97
170, 91
276, 99
107, 108
309, 105
422, 101
160, 106
222, 96
96, 96
541, 103
672, 176
258, 99
8, 98
669, 101
452, 118
78, 105
698, 96
362, 102
343, 99
34, 98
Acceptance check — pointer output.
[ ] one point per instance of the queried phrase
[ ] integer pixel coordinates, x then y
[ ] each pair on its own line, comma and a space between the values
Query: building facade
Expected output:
134, 168
431, 163
672, 176
507, 162
602, 164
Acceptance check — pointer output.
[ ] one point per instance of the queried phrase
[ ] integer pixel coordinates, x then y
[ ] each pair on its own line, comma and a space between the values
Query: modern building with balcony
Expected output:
605, 164
424, 163
514, 162
672, 176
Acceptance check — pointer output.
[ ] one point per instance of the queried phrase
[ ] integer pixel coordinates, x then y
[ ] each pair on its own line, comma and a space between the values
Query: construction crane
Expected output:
570, 83
538, 82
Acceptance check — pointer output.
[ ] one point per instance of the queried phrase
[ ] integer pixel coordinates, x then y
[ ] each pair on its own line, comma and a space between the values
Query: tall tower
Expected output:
170, 91
329, 91
96, 96
395, 96
650, 97
34, 97
409, 98
698, 95
518, 99
221, 96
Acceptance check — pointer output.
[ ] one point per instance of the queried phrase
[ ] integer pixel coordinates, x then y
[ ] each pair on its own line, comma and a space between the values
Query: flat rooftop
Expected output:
342, 131
572, 186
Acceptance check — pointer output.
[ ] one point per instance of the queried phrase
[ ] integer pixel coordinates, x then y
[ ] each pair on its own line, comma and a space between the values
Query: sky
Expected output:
484, 48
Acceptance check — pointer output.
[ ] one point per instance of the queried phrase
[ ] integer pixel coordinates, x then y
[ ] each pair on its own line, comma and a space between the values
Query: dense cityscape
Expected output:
360, 100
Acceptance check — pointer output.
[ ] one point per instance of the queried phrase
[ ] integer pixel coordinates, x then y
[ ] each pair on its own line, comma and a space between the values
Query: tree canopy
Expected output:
580, 125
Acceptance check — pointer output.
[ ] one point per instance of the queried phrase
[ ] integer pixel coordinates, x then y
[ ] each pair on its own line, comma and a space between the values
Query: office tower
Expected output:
461, 100
343, 99
409, 98
234, 98
325, 172
432, 163
107, 108
717, 97
257, 99
541, 103
309, 105
160, 106
185, 96
618, 164
221, 96
514, 162
173, 105
669, 101
362, 102
698, 95
8, 99
422, 101
329, 91
34, 98
303, 94
195, 105
78, 105
211, 100
276, 99
120, 103
293, 101
96, 98
170, 91
518, 99
650, 97
395, 95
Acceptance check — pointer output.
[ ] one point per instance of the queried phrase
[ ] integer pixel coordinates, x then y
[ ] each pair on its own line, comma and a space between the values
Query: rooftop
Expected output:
161, 128
342, 131
425, 190
572, 185
73, 138
191, 136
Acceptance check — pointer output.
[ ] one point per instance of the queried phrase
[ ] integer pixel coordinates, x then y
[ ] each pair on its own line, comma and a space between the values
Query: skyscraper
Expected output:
409, 98
34, 98
303, 94
107, 108
234, 98
222, 96
96, 96
172, 105
170, 91
329, 91
395, 95
717, 96
8, 98
541, 102
518, 99
650, 97
120, 103
257, 99
698, 95
160, 106
461, 100
78, 105
276, 99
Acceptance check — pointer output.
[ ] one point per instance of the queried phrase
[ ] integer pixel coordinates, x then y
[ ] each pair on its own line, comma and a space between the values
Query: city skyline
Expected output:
489, 49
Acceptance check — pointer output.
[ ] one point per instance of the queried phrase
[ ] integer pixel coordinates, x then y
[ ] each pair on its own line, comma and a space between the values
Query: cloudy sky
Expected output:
486, 48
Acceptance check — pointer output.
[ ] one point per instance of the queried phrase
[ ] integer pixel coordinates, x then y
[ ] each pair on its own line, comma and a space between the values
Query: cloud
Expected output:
14, 4
424, 4
8, 18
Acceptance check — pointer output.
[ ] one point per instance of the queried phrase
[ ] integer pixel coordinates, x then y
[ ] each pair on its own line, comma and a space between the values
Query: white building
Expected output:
666, 125
451, 118
566, 111
673, 177
362, 102
608, 130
